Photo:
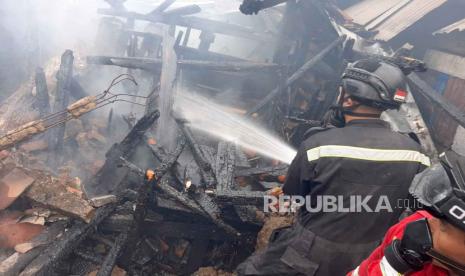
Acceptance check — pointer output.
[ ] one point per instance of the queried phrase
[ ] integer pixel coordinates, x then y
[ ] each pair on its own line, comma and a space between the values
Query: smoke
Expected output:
45, 28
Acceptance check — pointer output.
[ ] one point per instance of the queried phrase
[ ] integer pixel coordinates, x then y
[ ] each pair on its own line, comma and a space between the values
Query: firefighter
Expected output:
429, 242
363, 159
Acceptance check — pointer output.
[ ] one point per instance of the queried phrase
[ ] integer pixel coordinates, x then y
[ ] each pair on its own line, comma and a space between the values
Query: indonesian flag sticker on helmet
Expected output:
400, 95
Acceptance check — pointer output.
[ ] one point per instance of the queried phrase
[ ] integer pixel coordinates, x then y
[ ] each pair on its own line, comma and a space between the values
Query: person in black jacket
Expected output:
354, 178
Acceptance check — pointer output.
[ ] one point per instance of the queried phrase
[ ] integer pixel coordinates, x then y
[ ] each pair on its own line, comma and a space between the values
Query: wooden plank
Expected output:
166, 128
194, 23
154, 64
224, 166
297, 75
56, 135
42, 98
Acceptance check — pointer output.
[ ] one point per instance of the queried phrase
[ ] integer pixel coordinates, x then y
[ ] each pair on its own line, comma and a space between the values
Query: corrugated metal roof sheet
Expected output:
446, 63
406, 17
459, 26
391, 17
368, 10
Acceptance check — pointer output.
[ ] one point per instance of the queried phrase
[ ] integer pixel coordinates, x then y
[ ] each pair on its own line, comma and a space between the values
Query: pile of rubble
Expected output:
157, 202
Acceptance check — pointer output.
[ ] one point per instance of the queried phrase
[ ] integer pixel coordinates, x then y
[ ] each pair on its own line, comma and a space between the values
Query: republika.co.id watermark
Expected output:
333, 203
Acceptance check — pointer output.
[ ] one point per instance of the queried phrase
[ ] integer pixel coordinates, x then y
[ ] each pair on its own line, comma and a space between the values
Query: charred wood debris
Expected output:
151, 209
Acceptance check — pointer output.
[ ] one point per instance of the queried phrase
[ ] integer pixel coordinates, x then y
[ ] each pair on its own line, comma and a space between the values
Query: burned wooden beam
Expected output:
423, 88
273, 170
127, 240
254, 6
181, 11
197, 251
185, 230
206, 39
160, 154
89, 256
14, 264
202, 205
110, 260
206, 170
218, 27
111, 173
56, 135
225, 163
76, 89
42, 103
255, 198
27, 252
153, 64
162, 7
214, 212
127, 62
63, 246
230, 66
189, 53
297, 75
117, 222
166, 128
192, 22
180, 197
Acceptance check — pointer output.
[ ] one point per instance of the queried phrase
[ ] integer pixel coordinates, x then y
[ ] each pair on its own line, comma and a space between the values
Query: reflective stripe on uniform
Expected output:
381, 155
387, 269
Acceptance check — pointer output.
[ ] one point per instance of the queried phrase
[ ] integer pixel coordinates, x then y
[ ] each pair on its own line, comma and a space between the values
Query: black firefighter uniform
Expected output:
363, 160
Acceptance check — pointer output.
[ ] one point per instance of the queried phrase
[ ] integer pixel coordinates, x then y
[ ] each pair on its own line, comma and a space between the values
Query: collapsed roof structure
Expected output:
157, 195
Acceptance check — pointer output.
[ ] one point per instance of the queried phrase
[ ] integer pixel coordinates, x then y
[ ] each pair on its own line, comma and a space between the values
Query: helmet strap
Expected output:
356, 114
349, 110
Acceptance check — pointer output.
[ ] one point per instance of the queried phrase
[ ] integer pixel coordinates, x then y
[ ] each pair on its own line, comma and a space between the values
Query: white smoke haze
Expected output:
209, 117
44, 29
48, 27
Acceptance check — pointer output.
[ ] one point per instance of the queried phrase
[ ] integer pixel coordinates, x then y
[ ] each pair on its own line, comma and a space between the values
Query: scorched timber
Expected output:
62, 247
111, 172
254, 6
42, 102
242, 198
56, 136
193, 53
192, 22
203, 205
297, 75
110, 260
185, 230
162, 7
273, 170
181, 11
14, 264
225, 162
152, 64
189, 52
206, 170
